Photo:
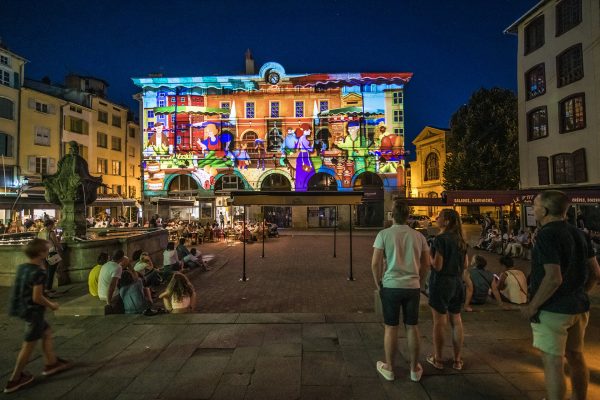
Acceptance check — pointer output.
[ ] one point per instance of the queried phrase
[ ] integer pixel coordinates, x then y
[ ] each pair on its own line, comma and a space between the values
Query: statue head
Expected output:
73, 148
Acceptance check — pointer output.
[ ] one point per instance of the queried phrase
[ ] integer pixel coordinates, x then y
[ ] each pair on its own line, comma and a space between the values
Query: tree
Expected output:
482, 147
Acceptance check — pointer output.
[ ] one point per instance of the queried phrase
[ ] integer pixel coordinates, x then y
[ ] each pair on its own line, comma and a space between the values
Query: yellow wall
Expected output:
430, 140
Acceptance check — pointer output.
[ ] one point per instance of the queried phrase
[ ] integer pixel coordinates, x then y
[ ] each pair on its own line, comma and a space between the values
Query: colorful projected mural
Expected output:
249, 127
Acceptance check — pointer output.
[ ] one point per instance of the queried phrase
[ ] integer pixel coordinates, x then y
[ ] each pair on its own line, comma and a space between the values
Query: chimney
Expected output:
249, 63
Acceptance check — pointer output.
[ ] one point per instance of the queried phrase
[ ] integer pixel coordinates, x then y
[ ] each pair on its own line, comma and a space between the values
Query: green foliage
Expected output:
483, 151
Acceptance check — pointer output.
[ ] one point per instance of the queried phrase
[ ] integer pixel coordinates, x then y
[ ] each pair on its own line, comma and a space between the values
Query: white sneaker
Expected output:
388, 375
415, 376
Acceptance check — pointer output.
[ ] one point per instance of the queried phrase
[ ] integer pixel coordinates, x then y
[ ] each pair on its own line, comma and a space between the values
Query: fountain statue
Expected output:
73, 188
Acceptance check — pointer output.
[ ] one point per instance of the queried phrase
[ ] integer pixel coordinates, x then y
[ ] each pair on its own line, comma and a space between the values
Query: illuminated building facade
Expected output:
204, 136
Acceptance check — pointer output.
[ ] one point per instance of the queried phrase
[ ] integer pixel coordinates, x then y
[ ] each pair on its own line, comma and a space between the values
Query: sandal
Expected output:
434, 362
458, 365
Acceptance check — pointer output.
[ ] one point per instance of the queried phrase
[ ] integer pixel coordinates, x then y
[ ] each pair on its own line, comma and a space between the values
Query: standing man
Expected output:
407, 260
563, 270
222, 220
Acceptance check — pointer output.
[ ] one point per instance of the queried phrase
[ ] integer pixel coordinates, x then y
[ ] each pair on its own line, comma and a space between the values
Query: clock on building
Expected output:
273, 78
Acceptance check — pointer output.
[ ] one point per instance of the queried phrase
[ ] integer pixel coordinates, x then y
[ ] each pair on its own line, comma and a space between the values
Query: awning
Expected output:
25, 201
424, 201
248, 198
352, 111
113, 202
191, 110
166, 201
576, 196
482, 197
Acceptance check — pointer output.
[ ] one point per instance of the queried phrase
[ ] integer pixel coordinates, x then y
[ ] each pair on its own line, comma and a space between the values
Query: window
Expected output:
543, 171
76, 109
230, 182
131, 151
568, 15
274, 140
572, 113
116, 168
249, 110
131, 132
102, 139
131, 170
182, 99
103, 116
6, 145
116, 120
432, 168
42, 136
161, 103
41, 165
78, 125
535, 82
398, 115
4, 60
5, 77
115, 143
226, 105
537, 123
41, 107
150, 125
399, 131
569, 167
569, 65
102, 166
534, 35
299, 107
150, 113
116, 189
6, 108
131, 192
274, 109
397, 98
323, 105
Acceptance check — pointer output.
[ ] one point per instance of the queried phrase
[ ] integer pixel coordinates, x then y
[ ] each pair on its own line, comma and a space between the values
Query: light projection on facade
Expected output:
233, 132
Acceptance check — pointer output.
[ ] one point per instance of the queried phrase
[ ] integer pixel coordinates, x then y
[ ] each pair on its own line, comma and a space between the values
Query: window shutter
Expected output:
31, 164
85, 127
31, 103
543, 171
9, 146
580, 165
51, 165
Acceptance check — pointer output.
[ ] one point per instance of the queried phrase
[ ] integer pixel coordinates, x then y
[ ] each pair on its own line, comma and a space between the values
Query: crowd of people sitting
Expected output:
134, 285
504, 241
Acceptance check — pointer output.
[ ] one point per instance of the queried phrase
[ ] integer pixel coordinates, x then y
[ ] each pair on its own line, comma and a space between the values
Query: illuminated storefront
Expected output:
205, 136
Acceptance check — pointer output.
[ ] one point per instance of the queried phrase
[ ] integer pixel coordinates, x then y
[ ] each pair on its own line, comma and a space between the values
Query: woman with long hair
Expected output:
179, 296
446, 292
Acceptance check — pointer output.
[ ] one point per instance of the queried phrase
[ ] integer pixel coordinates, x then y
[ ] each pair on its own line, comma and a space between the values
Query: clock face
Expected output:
273, 78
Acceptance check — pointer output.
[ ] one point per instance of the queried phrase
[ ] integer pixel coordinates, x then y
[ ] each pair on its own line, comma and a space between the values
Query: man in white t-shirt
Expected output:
407, 261
109, 277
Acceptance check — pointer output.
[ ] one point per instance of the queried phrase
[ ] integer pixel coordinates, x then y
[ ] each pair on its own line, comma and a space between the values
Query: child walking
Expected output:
29, 303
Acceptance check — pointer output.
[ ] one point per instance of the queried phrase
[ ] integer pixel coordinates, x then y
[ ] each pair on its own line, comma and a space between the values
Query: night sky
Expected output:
452, 47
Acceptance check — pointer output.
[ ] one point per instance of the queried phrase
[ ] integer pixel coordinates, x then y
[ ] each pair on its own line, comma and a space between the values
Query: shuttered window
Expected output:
6, 108
543, 172
6, 145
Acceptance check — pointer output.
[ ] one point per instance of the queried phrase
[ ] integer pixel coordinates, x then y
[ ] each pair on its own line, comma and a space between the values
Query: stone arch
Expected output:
323, 181
283, 172
246, 185
275, 181
171, 178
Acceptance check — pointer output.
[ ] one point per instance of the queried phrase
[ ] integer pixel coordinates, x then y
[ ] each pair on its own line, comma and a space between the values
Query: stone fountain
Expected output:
72, 188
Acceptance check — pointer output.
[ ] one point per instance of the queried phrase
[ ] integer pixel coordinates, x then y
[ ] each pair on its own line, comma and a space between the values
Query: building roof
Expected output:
429, 132
6, 50
513, 28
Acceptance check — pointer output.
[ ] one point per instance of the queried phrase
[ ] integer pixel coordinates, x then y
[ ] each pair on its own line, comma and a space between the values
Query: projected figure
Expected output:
351, 142
262, 153
304, 167
159, 141
290, 140
211, 139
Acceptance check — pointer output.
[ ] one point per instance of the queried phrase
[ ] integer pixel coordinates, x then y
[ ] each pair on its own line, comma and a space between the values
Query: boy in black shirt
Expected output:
29, 303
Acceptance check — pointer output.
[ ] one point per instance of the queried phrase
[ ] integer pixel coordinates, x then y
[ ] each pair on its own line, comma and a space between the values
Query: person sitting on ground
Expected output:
110, 273
194, 260
131, 291
182, 251
170, 261
478, 282
145, 268
95, 273
179, 296
514, 247
511, 285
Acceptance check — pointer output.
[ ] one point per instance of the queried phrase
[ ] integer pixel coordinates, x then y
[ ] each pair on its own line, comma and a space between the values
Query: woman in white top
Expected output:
179, 296
171, 261
511, 285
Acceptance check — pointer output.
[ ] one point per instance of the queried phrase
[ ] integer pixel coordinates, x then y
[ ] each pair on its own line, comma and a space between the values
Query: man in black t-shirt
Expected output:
29, 303
563, 270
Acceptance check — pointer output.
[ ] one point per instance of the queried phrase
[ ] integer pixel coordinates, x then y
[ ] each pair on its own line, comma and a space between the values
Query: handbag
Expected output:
54, 258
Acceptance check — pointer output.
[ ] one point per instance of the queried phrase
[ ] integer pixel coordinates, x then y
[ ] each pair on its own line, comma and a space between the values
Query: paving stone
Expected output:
275, 378
198, 377
291, 333
320, 344
251, 335
369, 388
358, 363
92, 387
321, 330
281, 350
225, 391
457, 388
150, 383
348, 335
242, 360
222, 336
326, 392
323, 368
280, 318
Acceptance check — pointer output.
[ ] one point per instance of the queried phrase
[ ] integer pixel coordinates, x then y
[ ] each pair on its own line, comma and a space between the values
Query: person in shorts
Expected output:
407, 259
563, 271
446, 290
29, 303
